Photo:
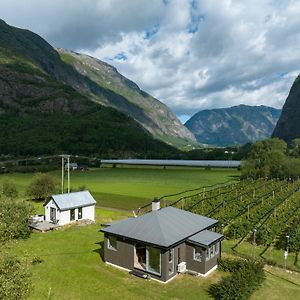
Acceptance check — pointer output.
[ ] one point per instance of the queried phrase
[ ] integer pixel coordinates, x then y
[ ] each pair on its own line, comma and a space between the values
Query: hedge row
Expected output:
246, 277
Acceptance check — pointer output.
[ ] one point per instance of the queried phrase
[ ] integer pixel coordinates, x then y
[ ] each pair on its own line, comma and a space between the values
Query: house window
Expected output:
79, 213
197, 254
171, 261
217, 247
212, 251
148, 259
112, 243
72, 214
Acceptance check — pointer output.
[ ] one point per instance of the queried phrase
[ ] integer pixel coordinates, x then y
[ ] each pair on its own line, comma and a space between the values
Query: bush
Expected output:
14, 216
42, 186
9, 189
15, 283
247, 276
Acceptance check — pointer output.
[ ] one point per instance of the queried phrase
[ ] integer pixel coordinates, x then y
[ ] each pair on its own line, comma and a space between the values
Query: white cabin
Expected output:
63, 209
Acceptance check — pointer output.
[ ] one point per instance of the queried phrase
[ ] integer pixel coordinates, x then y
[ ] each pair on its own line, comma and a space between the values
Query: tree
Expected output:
42, 186
15, 283
266, 158
14, 216
295, 148
9, 189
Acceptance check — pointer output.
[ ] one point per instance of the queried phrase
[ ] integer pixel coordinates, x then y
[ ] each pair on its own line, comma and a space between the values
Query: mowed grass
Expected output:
73, 268
130, 188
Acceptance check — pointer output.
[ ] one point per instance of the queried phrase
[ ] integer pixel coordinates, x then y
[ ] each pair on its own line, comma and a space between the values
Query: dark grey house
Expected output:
163, 243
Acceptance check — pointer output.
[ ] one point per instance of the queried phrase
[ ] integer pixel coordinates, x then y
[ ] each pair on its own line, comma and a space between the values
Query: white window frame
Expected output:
109, 245
171, 262
147, 261
195, 257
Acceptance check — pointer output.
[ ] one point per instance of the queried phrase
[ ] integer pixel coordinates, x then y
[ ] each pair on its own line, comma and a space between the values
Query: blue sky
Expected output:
191, 55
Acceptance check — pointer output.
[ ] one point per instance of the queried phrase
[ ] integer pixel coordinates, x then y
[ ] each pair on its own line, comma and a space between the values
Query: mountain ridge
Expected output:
234, 125
148, 111
287, 127
42, 114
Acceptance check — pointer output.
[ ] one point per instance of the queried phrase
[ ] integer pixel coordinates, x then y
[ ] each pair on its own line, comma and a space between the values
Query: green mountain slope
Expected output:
235, 125
90, 78
288, 125
123, 94
40, 113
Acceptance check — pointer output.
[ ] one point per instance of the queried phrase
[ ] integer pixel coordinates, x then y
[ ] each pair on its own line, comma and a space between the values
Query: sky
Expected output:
190, 54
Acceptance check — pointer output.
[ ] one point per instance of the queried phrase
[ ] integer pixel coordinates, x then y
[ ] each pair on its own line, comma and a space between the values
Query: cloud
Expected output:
192, 55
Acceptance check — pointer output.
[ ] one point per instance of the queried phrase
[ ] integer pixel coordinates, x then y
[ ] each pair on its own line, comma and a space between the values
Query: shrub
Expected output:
42, 186
14, 215
15, 283
247, 276
9, 189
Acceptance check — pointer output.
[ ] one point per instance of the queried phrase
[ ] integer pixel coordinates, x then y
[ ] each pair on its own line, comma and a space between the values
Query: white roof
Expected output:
73, 200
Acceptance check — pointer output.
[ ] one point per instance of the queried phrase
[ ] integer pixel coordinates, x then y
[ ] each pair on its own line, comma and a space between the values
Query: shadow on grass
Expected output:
100, 250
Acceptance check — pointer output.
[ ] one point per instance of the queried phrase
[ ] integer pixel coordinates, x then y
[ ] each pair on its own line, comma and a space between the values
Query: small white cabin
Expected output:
63, 209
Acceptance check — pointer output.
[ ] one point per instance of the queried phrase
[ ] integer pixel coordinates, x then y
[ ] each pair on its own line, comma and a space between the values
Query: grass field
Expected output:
130, 188
72, 268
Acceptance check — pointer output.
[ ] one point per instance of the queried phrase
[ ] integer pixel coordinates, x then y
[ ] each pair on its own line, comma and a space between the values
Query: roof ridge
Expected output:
160, 227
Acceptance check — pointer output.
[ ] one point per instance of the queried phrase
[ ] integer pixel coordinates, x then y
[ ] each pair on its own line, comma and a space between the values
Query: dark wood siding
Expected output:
201, 267
192, 264
123, 257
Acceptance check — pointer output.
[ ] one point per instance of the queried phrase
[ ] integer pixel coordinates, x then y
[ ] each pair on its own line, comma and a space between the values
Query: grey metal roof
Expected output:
206, 237
171, 162
163, 227
72, 200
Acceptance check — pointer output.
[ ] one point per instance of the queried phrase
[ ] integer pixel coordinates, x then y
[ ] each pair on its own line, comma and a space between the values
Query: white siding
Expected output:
63, 217
50, 204
88, 213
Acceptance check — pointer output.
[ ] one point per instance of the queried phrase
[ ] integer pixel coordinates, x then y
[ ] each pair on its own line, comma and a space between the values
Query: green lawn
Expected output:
72, 268
130, 188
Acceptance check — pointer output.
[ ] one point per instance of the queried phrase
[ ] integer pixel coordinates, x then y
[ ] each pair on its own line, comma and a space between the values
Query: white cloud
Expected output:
192, 55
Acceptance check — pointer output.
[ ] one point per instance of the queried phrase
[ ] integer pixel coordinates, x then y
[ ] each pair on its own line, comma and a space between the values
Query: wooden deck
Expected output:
43, 226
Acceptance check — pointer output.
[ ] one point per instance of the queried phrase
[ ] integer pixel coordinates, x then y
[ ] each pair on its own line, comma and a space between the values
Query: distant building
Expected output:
73, 166
163, 243
67, 208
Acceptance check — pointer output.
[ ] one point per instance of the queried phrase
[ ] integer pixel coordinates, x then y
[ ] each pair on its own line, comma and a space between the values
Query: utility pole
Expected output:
68, 162
63, 157
62, 173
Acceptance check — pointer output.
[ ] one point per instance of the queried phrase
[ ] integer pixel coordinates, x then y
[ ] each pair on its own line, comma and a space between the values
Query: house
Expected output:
162, 243
66, 208
73, 166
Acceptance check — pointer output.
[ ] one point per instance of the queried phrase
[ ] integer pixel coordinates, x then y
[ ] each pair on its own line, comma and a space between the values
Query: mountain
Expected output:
235, 125
288, 125
121, 93
46, 107
98, 81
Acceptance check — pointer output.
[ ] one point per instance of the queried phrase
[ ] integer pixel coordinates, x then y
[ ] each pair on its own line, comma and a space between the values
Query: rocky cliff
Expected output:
235, 125
288, 125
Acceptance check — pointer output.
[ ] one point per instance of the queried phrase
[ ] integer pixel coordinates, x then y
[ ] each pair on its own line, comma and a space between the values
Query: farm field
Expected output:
72, 256
129, 188
72, 268
260, 218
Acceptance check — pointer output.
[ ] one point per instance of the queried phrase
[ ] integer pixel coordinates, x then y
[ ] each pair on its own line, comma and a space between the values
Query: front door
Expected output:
53, 214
